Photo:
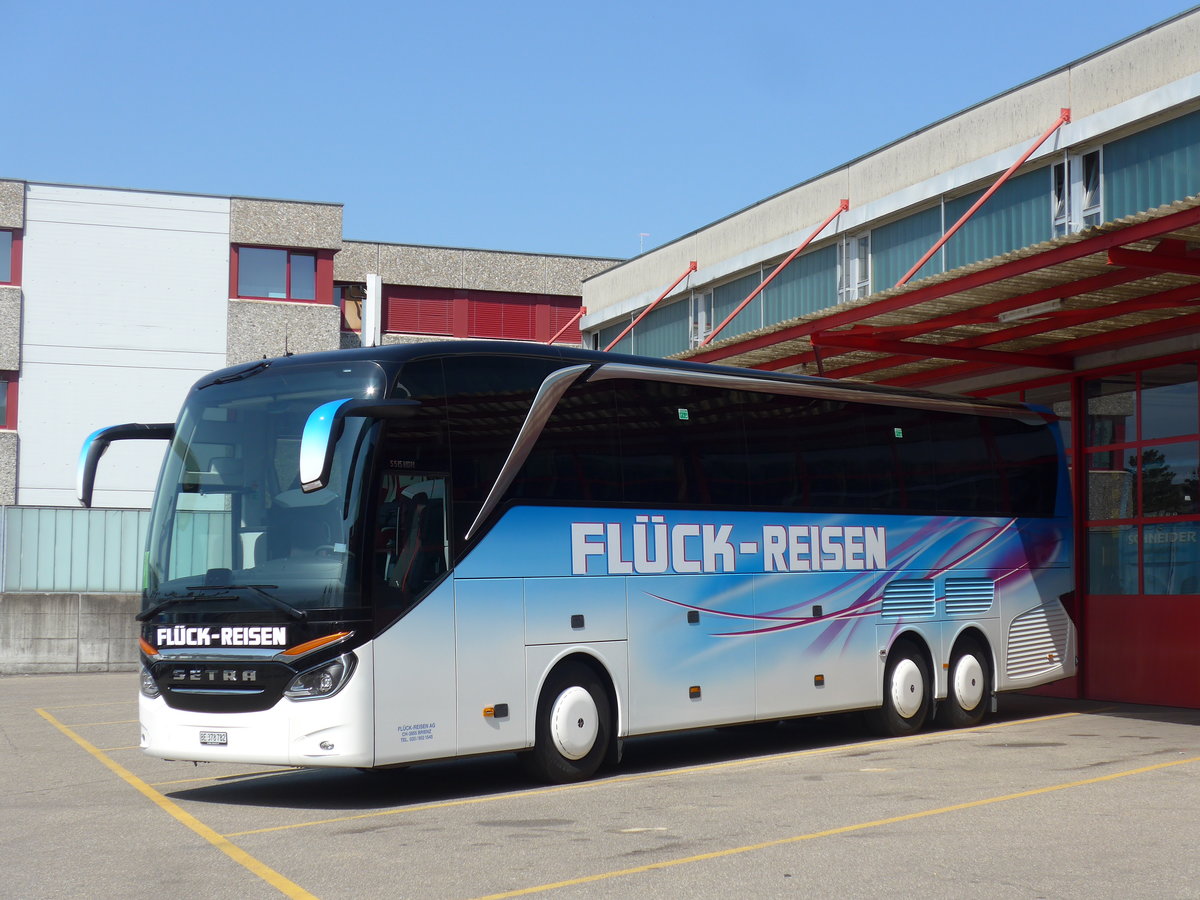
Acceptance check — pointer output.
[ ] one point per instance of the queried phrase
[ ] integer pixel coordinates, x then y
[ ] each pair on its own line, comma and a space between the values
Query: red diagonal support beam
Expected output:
575, 318
628, 328
1064, 116
842, 207
1064, 253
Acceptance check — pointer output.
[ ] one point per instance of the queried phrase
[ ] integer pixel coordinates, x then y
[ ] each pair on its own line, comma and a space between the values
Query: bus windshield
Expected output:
230, 523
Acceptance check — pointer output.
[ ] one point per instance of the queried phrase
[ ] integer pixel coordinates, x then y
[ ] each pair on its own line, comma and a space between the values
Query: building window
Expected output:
1143, 481
349, 297
8, 400
854, 267
10, 246
702, 323
1075, 193
266, 273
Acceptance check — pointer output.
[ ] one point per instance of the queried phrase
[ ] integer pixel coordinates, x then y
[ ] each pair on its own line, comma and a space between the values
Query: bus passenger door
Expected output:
414, 607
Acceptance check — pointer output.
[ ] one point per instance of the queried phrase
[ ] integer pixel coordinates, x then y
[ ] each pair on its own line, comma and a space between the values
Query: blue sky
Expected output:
544, 127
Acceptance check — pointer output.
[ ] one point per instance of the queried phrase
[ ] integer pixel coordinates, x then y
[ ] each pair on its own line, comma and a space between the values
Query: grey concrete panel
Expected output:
450, 267
38, 632
12, 204
503, 271
423, 266
67, 633
108, 632
259, 328
10, 328
390, 339
281, 223
355, 261
1017, 117
8, 468
564, 275
1136, 66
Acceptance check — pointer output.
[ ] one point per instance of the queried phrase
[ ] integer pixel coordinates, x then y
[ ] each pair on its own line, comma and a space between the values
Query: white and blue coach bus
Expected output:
376, 557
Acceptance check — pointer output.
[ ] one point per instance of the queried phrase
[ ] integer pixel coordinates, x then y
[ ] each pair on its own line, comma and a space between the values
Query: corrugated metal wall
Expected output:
896, 246
808, 284
727, 296
1015, 216
93, 550
1153, 167
664, 331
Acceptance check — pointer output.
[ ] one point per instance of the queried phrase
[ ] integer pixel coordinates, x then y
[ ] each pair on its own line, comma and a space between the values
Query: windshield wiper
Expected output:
205, 592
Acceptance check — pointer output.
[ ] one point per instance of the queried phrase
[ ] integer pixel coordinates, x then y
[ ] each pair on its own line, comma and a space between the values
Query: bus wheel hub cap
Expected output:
574, 723
968, 682
908, 688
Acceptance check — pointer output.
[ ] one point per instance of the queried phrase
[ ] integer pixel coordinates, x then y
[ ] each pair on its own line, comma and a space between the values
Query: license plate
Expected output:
214, 738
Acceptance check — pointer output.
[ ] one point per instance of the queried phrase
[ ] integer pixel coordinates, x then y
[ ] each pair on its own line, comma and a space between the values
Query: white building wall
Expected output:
125, 306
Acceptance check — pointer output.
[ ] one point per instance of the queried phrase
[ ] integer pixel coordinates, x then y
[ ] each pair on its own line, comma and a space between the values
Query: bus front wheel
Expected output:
969, 687
574, 726
906, 693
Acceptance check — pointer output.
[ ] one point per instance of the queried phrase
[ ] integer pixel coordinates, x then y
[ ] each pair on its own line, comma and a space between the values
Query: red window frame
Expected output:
14, 256
323, 289
8, 385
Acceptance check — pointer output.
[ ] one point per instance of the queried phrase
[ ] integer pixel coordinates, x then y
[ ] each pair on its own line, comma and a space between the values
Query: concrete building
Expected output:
113, 302
1074, 284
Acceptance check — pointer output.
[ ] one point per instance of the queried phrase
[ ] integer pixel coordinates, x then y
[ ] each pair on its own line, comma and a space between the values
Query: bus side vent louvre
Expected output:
969, 596
909, 599
1037, 642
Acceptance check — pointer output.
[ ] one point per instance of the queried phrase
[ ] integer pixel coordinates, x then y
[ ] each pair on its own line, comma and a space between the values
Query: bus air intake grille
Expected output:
908, 600
1037, 642
969, 596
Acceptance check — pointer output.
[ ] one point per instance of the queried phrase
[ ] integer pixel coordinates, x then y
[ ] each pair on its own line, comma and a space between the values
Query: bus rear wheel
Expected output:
574, 726
906, 695
969, 687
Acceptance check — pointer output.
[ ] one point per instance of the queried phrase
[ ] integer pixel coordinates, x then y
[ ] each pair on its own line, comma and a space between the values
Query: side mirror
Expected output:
97, 442
324, 427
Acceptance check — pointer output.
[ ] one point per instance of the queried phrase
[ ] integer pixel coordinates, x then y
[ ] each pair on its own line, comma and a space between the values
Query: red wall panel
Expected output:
1143, 650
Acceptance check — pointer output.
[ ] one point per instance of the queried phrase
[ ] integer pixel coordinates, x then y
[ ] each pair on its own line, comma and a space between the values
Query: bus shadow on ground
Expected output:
463, 779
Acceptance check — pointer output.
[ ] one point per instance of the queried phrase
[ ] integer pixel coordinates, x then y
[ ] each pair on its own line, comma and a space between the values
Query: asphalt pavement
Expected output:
1048, 798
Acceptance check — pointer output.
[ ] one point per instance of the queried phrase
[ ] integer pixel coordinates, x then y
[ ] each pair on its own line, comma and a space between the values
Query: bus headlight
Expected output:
148, 685
321, 681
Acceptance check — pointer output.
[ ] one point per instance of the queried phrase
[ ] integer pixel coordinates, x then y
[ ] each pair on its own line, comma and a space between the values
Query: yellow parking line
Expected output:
237, 854
844, 829
623, 779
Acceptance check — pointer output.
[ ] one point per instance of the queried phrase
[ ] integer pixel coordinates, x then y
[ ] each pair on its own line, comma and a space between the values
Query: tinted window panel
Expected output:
262, 272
